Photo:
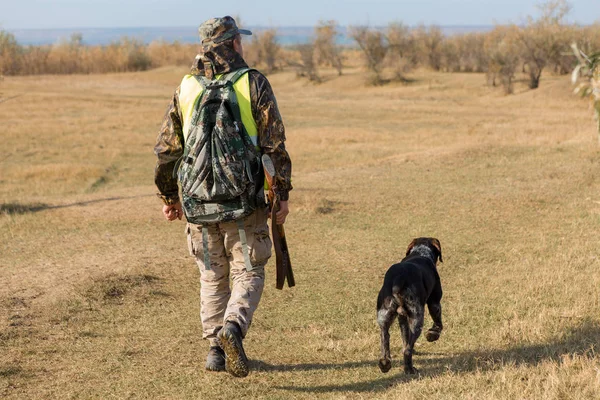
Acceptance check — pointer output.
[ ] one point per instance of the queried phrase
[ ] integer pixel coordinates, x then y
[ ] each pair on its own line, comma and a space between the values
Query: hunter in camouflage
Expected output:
169, 146
226, 314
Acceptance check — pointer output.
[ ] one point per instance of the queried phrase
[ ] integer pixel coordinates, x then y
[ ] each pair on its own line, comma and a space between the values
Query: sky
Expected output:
55, 14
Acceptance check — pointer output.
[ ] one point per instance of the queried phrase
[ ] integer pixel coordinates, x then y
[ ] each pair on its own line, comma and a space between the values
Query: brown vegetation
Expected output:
72, 56
263, 50
506, 54
544, 40
329, 53
502, 55
403, 52
372, 44
305, 65
430, 40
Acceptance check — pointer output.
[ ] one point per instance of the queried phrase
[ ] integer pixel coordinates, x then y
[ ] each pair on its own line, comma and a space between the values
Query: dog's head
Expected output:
431, 243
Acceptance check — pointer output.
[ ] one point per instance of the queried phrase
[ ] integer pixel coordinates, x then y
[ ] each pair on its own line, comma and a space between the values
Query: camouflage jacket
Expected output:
271, 132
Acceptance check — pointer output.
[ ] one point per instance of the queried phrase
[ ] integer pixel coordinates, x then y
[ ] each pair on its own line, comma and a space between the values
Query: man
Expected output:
240, 248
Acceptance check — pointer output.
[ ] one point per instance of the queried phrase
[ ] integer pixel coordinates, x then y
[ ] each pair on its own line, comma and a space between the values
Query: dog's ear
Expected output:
410, 246
436, 243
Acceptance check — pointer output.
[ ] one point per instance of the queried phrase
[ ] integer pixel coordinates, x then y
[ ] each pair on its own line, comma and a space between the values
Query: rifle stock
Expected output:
282, 255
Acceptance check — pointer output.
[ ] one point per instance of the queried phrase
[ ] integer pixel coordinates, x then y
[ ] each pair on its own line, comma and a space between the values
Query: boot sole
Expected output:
215, 363
215, 369
236, 362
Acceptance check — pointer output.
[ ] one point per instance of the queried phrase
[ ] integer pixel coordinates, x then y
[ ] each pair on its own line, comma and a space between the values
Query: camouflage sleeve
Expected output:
271, 132
168, 149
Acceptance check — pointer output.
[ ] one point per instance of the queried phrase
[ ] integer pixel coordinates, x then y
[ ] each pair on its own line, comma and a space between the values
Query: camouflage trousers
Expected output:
220, 301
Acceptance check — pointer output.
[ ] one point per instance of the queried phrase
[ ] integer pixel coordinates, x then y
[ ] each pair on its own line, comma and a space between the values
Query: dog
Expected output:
407, 287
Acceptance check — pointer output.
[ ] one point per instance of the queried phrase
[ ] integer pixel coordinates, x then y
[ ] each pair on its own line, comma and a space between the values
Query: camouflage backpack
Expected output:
220, 172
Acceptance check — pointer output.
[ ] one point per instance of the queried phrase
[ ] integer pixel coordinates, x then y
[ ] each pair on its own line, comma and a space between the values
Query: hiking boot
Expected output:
236, 362
215, 361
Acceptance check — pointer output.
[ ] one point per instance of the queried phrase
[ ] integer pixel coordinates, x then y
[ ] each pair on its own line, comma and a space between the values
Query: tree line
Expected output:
540, 45
505, 53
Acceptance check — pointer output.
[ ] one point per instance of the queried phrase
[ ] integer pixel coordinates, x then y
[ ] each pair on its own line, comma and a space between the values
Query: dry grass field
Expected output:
99, 298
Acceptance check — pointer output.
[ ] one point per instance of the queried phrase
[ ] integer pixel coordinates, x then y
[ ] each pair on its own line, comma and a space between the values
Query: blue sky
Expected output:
49, 14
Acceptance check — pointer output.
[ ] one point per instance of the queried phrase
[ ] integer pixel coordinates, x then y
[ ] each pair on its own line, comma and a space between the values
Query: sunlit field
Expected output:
100, 299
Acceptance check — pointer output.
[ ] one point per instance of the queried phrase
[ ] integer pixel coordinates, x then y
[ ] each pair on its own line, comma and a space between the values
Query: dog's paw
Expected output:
411, 370
385, 365
432, 335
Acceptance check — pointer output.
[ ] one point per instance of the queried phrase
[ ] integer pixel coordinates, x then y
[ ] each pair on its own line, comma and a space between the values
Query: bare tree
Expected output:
430, 39
263, 50
306, 66
10, 52
502, 51
373, 46
472, 53
451, 56
544, 39
402, 50
327, 49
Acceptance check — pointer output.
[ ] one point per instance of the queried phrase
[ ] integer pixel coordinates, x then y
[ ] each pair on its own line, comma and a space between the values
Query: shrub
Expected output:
502, 52
544, 39
263, 50
9, 54
374, 49
327, 50
430, 40
402, 50
306, 66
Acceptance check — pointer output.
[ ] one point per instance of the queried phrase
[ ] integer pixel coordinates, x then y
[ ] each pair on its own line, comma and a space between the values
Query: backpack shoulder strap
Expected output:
235, 75
202, 80
231, 78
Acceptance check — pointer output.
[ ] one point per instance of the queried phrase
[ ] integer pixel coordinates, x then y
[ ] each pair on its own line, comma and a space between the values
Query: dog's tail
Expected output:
398, 300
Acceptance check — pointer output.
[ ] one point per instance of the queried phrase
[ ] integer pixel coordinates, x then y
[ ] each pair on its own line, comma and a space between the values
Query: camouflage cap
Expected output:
217, 30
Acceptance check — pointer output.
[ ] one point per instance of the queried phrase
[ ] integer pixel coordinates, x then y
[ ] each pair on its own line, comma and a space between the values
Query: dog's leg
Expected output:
435, 310
415, 325
404, 330
405, 333
385, 317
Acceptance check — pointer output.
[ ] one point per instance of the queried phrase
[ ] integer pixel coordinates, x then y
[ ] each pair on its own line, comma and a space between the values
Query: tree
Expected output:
264, 50
10, 52
451, 56
327, 50
373, 46
544, 39
402, 50
306, 66
470, 47
430, 40
502, 51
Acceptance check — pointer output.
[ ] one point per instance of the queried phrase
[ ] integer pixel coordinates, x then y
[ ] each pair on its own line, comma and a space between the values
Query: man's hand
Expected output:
173, 211
282, 213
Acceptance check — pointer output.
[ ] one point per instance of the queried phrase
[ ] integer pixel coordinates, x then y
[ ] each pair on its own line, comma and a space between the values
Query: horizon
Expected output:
115, 14
246, 26
287, 35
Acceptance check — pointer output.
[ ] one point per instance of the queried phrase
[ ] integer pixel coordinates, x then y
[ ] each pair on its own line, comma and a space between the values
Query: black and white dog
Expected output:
407, 287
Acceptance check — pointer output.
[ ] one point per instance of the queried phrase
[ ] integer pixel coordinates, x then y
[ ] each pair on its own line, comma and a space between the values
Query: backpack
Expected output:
220, 172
